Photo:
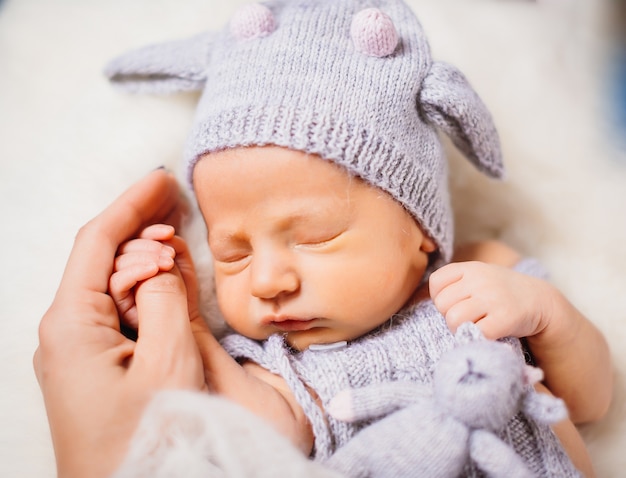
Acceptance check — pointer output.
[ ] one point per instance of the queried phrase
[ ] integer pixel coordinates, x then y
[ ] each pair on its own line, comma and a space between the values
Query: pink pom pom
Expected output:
252, 21
373, 33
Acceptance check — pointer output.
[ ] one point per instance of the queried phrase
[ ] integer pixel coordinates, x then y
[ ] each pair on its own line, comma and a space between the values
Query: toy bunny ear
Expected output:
468, 332
450, 103
164, 68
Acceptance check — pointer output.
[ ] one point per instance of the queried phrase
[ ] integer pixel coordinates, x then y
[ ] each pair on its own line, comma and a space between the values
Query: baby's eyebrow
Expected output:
227, 237
321, 213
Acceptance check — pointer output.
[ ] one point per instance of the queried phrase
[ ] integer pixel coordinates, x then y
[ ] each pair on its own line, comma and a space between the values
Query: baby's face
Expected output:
302, 249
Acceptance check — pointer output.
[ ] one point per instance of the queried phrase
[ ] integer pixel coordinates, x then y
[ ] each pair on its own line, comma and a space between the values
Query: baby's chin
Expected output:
303, 340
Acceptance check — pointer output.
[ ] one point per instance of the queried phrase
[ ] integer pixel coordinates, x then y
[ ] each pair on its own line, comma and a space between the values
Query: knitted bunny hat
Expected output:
352, 81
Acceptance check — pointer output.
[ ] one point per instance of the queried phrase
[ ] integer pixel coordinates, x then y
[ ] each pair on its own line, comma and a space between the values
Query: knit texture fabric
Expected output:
406, 348
436, 430
352, 81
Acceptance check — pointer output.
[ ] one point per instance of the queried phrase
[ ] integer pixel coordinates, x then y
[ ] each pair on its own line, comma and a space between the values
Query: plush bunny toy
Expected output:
477, 388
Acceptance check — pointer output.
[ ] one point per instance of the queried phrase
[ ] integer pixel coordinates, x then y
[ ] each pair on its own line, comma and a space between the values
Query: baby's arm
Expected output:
266, 394
566, 345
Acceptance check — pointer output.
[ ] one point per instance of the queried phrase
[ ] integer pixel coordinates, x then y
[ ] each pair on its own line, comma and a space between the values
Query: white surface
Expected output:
69, 144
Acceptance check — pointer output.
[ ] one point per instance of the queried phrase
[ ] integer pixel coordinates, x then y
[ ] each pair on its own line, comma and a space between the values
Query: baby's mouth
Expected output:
287, 323
293, 325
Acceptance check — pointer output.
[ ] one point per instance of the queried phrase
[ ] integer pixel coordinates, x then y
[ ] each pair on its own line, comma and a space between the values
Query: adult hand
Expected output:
96, 382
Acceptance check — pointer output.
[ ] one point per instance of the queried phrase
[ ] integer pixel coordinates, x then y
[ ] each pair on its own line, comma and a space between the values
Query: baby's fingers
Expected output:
145, 245
446, 295
145, 251
121, 286
444, 277
122, 281
467, 310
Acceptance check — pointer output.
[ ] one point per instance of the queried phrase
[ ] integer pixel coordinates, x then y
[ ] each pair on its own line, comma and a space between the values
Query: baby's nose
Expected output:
273, 275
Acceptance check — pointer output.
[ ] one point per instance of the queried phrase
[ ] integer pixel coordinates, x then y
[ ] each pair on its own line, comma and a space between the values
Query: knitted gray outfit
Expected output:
352, 81
405, 348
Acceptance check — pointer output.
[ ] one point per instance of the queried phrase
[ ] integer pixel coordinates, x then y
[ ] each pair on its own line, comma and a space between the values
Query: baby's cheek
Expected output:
229, 299
236, 305
364, 301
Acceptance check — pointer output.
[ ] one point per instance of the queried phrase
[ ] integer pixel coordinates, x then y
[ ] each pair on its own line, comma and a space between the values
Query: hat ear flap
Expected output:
449, 102
163, 68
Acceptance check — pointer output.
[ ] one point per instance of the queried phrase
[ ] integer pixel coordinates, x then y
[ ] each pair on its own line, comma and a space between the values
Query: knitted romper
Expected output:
405, 348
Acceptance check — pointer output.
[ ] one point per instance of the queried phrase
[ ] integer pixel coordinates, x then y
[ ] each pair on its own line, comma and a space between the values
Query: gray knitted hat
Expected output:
349, 80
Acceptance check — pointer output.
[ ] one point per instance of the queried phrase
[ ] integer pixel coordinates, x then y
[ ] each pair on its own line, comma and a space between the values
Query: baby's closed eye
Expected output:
316, 239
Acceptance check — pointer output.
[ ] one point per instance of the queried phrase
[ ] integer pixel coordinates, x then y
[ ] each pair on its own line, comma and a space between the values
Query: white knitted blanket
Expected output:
69, 144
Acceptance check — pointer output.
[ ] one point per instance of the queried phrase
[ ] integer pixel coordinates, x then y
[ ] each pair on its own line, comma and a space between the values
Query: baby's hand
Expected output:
139, 260
501, 301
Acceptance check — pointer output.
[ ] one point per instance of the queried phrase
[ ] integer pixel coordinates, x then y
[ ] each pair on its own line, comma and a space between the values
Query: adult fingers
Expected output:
185, 263
165, 344
179, 213
158, 232
91, 260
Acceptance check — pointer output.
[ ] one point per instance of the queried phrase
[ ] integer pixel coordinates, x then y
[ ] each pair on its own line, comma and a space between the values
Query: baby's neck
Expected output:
420, 294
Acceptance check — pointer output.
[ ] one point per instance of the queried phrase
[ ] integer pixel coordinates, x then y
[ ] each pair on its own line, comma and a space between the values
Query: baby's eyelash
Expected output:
231, 264
320, 241
231, 259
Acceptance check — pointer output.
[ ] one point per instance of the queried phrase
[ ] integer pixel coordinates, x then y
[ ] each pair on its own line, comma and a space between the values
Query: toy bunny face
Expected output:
480, 383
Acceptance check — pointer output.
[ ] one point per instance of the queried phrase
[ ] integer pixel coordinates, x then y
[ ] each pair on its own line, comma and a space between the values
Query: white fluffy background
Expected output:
69, 144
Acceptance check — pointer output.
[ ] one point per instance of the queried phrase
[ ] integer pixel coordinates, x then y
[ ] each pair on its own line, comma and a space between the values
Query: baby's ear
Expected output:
164, 68
449, 102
